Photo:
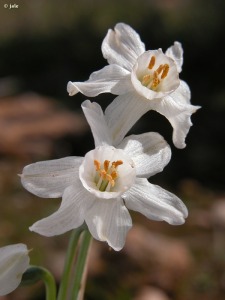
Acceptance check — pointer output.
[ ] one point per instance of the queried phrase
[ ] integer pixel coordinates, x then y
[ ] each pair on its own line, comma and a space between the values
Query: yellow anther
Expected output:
110, 179
152, 62
106, 165
159, 70
117, 163
97, 165
103, 174
146, 79
165, 71
114, 175
155, 81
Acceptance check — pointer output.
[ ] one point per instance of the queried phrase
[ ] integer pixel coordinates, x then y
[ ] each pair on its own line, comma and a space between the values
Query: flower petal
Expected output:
96, 119
182, 94
70, 214
177, 110
149, 152
122, 46
123, 113
109, 221
48, 179
102, 81
155, 203
176, 53
14, 261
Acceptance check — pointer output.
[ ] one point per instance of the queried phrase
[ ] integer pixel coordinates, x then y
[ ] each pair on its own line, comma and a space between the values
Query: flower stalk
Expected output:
80, 271
50, 285
36, 273
70, 257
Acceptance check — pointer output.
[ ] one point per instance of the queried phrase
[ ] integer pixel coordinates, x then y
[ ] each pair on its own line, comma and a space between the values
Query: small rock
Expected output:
151, 293
30, 124
218, 213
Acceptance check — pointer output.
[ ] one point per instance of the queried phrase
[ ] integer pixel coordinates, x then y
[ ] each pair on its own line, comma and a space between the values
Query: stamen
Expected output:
103, 174
97, 165
117, 163
155, 81
105, 177
152, 79
99, 183
165, 71
159, 70
114, 175
110, 180
152, 62
106, 165
108, 187
146, 79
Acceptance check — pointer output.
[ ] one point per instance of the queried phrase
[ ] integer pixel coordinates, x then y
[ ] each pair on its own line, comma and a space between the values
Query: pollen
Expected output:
146, 79
117, 163
152, 62
106, 176
165, 71
160, 68
106, 165
97, 165
155, 81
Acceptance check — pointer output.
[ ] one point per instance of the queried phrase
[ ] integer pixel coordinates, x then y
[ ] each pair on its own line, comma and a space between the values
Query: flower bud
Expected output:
14, 261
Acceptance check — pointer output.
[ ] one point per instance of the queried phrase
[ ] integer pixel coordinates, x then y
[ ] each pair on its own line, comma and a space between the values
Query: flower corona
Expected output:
107, 172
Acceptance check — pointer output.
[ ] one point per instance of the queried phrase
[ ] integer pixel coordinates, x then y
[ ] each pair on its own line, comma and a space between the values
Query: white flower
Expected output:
14, 261
144, 80
101, 187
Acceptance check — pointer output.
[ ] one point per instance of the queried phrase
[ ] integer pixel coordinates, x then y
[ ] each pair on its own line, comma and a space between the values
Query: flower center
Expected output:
107, 172
106, 175
154, 76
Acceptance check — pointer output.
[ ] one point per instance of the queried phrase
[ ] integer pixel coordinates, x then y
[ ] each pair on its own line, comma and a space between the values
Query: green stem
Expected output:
71, 252
81, 266
49, 285
36, 273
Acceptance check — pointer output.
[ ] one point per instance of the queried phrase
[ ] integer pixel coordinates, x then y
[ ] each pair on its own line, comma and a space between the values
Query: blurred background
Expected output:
45, 44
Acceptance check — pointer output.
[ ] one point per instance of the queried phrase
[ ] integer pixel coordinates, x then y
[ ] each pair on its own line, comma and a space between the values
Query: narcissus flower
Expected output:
144, 80
14, 261
101, 187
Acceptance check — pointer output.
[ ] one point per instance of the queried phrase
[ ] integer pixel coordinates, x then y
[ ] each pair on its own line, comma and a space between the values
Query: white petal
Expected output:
70, 214
14, 261
96, 119
102, 81
175, 109
123, 113
149, 152
123, 86
183, 94
109, 221
176, 53
48, 179
122, 46
155, 203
